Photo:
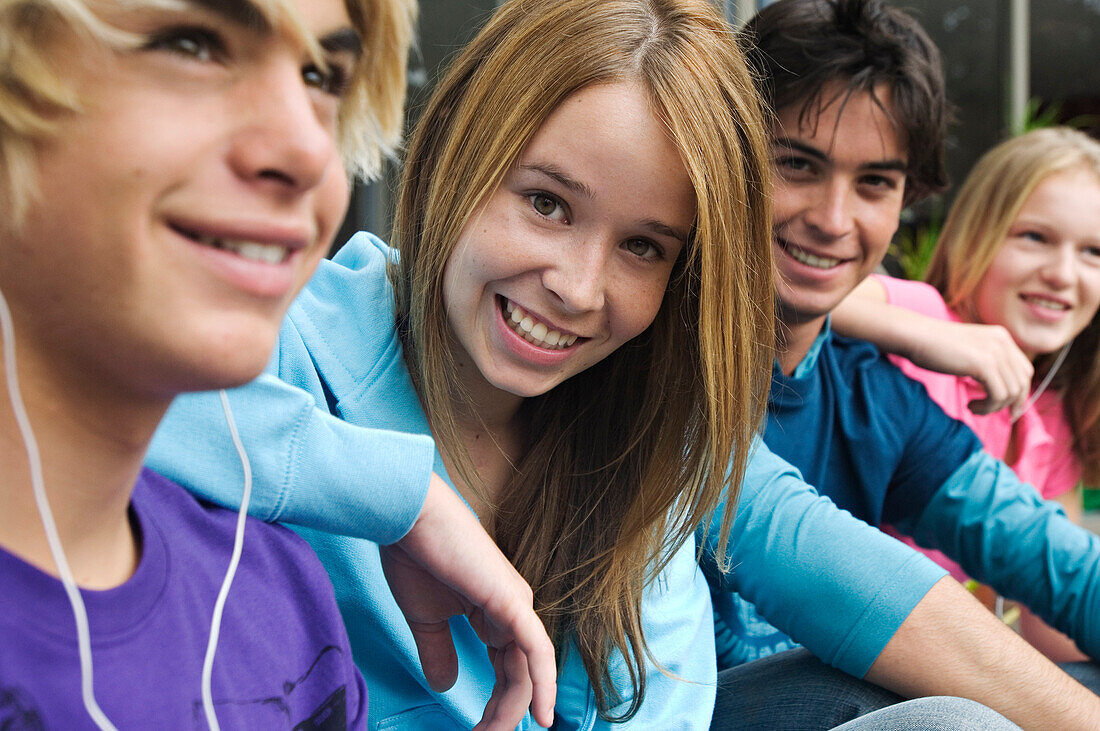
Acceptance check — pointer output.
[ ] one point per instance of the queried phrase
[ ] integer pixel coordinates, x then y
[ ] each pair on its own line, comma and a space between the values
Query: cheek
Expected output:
1090, 295
641, 307
332, 199
991, 296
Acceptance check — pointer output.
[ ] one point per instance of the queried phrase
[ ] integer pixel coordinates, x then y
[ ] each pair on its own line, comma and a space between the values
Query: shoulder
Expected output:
201, 533
357, 273
343, 323
916, 296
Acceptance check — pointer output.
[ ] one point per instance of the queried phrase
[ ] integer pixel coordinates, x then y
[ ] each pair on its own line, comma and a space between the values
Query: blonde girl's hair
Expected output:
34, 96
624, 460
974, 232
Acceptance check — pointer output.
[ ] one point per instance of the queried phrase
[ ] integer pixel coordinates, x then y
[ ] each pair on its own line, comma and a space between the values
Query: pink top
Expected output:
1045, 454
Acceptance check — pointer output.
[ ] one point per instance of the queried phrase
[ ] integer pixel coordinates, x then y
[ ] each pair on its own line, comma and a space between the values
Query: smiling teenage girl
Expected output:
1014, 290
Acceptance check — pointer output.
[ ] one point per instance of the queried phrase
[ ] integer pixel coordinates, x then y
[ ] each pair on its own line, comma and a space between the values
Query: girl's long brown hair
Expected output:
625, 459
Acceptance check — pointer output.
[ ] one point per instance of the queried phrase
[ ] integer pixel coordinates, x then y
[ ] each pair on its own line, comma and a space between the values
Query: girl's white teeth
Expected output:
265, 253
818, 262
1047, 304
534, 331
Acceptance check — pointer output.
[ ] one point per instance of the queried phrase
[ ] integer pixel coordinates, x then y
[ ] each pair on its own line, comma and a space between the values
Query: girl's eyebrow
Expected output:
577, 187
557, 174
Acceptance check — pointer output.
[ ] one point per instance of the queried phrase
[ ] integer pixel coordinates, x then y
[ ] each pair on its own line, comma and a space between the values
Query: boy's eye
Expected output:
878, 181
332, 81
792, 164
194, 42
547, 206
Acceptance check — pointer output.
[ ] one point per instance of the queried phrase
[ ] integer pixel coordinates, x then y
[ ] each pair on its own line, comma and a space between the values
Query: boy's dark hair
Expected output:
797, 47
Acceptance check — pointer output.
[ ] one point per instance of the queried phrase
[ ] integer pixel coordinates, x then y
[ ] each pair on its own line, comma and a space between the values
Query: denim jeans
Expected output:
794, 691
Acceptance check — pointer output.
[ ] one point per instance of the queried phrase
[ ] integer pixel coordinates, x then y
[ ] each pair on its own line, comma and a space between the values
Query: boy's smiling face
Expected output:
839, 186
182, 208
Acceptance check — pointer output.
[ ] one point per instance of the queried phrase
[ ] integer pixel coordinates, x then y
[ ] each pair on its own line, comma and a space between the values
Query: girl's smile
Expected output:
570, 257
1044, 282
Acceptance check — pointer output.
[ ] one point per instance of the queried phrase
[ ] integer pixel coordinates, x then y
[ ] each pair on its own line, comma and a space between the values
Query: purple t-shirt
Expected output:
283, 659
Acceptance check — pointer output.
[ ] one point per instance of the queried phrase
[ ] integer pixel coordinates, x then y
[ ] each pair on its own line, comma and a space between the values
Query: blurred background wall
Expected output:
1008, 63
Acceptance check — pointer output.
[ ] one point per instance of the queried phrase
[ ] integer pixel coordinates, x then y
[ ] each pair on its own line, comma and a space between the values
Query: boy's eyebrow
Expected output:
895, 164
238, 12
344, 40
246, 14
802, 147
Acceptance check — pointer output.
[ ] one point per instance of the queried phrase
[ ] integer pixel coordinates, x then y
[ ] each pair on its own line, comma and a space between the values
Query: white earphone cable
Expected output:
223, 595
1046, 381
80, 615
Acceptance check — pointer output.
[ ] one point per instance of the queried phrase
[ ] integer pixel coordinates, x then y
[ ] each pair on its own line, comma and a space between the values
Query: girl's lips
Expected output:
522, 344
533, 328
1047, 309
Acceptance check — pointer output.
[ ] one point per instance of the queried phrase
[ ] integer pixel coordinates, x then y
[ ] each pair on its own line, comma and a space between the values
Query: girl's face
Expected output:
570, 257
1044, 283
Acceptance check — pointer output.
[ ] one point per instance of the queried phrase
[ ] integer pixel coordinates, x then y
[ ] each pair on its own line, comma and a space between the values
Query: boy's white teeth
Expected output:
265, 253
534, 331
817, 262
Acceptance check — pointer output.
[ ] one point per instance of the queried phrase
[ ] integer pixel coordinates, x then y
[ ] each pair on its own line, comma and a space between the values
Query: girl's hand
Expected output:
448, 565
986, 353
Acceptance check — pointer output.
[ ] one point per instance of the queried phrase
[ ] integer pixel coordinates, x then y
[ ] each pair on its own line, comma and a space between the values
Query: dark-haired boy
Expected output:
858, 93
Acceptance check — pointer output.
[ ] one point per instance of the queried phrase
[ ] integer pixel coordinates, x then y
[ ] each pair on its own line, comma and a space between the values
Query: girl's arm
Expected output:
985, 353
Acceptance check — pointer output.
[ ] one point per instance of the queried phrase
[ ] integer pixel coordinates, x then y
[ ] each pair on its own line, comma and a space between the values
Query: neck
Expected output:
793, 340
490, 428
91, 451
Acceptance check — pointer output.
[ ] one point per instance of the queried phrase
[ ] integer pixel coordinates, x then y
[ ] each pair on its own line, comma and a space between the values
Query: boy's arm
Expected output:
1004, 534
871, 606
951, 645
986, 353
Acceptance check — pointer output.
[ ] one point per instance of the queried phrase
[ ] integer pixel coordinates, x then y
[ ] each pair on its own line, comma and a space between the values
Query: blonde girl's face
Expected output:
1044, 283
570, 257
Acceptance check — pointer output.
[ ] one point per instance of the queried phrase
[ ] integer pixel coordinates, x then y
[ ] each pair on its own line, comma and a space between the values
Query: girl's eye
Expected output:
334, 80
643, 249
200, 44
1092, 253
1032, 236
547, 206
